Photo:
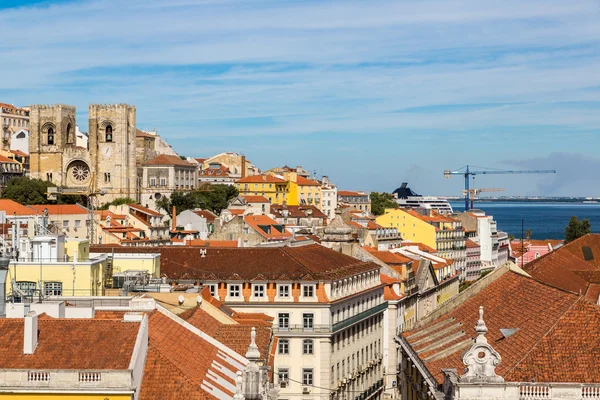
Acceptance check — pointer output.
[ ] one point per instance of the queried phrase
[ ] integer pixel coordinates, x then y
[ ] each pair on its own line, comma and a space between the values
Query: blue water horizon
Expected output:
545, 220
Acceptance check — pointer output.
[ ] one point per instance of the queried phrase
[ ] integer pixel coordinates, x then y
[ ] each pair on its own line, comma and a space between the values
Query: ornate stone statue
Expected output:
481, 359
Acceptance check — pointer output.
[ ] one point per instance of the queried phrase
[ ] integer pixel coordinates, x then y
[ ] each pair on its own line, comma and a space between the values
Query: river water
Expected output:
545, 220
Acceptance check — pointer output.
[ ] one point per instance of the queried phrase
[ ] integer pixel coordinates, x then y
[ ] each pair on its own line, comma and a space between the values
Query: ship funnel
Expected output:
4, 262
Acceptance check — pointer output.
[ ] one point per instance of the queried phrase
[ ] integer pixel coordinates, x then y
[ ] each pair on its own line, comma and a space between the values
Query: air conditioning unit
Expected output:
305, 390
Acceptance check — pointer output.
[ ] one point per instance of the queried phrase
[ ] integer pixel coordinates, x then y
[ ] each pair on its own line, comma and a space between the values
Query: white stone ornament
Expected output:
481, 359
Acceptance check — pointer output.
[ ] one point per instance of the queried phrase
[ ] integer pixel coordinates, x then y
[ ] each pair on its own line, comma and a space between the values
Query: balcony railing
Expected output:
359, 317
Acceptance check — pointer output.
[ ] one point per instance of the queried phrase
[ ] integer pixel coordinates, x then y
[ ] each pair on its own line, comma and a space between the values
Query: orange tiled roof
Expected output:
60, 209
213, 243
210, 217
300, 180
179, 361
554, 328
260, 179
235, 211
90, 344
234, 336
256, 199
165, 159
567, 267
471, 244
7, 160
297, 211
12, 207
388, 257
302, 263
19, 153
267, 227
350, 193
145, 210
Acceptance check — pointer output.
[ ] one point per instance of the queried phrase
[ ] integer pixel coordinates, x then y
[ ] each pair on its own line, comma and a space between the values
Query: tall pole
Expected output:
522, 242
467, 189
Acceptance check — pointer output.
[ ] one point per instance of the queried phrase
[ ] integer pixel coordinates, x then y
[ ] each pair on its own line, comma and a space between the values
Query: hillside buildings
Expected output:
327, 310
443, 233
14, 121
163, 175
356, 200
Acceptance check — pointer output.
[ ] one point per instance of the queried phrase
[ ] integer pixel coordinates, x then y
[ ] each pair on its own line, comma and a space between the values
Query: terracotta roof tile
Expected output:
256, 199
92, 344
260, 179
309, 262
166, 159
297, 211
12, 207
60, 209
213, 243
144, 210
300, 180
267, 227
552, 325
347, 193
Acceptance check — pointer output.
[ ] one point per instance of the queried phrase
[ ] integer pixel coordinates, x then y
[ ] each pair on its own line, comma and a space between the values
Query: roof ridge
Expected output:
284, 249
545, 334
174, 366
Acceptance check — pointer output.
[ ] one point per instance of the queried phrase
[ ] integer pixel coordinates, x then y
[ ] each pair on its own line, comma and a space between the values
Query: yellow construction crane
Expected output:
472, 193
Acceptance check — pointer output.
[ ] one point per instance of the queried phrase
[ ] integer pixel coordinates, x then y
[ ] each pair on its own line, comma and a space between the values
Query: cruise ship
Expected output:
406, 198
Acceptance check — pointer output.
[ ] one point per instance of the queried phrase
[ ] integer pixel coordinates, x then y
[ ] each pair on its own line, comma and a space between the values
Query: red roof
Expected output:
89, 344
209, 216
60, 209
12, 207
260, 179
471, 244
420, 246
166, 159
19, 153
300, 180
144, 210
297, 211
388, 257
554, 327
213, 243
267, 227
256, 199
347, 193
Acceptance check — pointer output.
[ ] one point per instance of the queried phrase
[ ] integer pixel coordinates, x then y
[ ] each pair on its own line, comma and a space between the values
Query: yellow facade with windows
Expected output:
410, 227
302, 191
273, 189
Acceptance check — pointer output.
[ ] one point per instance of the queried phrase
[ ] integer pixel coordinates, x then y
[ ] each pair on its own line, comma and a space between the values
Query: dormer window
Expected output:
234, 290
308, 290
109, 133
258, 290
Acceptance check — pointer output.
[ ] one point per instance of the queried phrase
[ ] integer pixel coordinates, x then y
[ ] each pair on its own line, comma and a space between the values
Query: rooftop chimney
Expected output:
4, 261
243, 166
30, 333
174, 218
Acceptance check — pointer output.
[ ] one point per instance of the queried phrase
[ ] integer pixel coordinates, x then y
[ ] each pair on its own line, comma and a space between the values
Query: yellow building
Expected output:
302, 191
273, 188
431, 228
55, 266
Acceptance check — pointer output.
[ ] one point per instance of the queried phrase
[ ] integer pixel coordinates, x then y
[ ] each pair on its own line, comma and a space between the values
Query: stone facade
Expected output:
107, 164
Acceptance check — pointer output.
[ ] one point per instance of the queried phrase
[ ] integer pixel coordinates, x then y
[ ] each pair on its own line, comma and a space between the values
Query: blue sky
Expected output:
371, 93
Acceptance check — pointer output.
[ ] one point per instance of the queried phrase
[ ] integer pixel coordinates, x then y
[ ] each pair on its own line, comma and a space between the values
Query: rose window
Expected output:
79, 171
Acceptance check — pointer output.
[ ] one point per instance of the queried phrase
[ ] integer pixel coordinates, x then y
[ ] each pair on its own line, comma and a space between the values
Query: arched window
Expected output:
69, 133
50, 136
109, 133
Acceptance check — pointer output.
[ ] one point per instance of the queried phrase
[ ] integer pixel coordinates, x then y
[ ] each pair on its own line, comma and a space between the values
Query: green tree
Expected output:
381, 201
577, 229
27, 191
209, 197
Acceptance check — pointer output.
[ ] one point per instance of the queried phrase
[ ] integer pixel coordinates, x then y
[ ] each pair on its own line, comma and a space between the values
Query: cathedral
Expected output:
108, 164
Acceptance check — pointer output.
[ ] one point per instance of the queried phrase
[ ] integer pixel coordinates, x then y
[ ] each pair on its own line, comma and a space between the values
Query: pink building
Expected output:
531, 249
473, 270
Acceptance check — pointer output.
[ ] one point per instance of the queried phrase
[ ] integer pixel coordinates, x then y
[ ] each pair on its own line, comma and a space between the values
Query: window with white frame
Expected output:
283, 320
307, 376
52, 288
308, 320
308, 290
283, 290
258, 290
283, 346
234, 289
213, 289
307, 346
283, 375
